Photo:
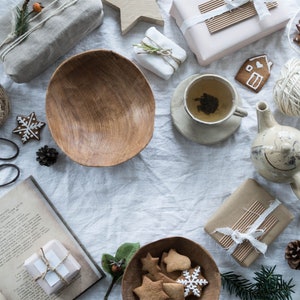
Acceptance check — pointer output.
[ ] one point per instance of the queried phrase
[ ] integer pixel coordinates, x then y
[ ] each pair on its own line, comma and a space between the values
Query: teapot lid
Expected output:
285, 153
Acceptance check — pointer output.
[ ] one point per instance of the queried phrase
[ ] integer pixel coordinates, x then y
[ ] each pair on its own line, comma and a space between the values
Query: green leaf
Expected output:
126, 251
106, 262
118, 263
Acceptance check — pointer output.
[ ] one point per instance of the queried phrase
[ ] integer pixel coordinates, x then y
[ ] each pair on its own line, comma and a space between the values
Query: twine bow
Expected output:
50, 268
154, 48
252, 233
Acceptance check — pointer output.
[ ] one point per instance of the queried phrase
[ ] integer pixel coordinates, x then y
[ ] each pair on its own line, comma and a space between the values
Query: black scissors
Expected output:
15, 153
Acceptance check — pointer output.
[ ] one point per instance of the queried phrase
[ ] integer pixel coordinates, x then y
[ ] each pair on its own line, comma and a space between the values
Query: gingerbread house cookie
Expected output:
255, 72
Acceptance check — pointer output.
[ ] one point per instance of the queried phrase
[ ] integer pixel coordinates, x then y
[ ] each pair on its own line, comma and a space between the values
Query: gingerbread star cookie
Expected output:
255, 72
28, 127
151, 290
193, 281
150, 264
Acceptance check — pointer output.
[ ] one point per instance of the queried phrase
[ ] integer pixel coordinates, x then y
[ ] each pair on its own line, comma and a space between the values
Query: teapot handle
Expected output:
295, 185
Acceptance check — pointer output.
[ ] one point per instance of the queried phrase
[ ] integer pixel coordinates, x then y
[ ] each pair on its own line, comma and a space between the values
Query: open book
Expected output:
28, 221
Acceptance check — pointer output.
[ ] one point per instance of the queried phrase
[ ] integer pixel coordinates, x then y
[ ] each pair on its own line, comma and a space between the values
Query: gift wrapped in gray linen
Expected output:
51, 34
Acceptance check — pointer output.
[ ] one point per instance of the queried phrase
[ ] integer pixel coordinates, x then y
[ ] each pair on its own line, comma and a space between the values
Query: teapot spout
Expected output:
265, 118
295, 185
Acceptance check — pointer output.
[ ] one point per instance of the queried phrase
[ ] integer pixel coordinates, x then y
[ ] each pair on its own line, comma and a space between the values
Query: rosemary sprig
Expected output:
152, 49
266, 285
22, 17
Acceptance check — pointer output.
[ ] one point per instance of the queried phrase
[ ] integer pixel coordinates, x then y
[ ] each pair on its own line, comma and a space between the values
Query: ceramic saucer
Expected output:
199, 133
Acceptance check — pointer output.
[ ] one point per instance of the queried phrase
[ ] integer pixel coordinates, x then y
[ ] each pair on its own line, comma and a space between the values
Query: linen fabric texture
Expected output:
52, 39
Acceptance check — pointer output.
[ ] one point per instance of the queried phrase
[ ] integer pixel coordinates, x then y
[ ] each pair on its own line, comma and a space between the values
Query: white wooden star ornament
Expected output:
133, 11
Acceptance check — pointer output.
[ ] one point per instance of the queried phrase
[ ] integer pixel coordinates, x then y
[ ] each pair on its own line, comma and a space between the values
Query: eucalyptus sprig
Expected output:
116, 265
266, 285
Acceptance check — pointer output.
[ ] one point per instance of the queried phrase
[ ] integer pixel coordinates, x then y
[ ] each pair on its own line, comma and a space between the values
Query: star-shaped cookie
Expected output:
28, 127
150, 264
133, 11
151, 290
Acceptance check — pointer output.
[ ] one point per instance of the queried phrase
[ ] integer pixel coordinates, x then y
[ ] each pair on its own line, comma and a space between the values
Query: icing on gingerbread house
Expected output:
255, 72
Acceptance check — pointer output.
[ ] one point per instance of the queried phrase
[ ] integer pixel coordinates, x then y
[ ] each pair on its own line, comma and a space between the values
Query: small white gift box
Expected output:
53, 268
165, 60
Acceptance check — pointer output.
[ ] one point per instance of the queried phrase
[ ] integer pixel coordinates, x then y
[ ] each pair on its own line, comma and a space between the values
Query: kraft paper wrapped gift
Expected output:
53, 267
51, 34
210, 41
247, 222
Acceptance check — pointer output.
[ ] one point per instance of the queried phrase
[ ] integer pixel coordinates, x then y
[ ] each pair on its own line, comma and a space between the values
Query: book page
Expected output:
27, 222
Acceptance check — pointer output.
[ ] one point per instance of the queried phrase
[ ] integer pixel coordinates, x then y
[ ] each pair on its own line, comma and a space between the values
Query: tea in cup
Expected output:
211, 99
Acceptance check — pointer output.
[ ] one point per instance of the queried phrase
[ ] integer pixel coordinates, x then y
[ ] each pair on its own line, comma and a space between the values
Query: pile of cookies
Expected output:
170, 276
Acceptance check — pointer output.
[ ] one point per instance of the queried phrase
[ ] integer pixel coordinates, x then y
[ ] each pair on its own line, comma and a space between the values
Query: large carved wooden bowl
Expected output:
132, 277
100, 108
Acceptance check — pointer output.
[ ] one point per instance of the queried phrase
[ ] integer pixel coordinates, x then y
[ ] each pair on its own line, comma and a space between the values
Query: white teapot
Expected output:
275, 152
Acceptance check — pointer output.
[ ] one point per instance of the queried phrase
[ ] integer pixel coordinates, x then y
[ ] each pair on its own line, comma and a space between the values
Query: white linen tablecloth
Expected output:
174, 185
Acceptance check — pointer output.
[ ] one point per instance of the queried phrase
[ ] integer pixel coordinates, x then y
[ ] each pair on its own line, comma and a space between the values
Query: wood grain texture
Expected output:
132, 277
100, 108
133, 11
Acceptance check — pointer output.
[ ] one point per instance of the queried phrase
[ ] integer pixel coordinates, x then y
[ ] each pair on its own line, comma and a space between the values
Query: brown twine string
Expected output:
49, 268
164, 53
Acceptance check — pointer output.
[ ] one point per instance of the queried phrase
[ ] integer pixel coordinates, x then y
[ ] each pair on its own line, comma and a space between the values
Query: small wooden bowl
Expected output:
132, 277
100, 108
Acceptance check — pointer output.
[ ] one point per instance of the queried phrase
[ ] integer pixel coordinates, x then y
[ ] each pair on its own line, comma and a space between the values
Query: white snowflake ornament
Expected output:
28, 127
193, 281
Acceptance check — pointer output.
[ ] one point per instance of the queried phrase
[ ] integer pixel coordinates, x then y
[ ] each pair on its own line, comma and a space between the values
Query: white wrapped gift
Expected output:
222, 30
165, 60
53, 268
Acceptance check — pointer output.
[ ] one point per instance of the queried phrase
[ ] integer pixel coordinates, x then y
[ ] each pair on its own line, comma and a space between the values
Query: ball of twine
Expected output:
286, 91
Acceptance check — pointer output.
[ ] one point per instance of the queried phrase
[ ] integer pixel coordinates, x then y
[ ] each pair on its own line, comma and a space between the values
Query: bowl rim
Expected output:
142, 252
51, 122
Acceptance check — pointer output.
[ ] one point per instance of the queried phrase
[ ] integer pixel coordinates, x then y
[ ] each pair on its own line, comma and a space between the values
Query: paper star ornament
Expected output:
133, 11
28, 127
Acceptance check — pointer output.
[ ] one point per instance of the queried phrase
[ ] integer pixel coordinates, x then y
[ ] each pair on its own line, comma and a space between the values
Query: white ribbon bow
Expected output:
252, 233
240, 237
260, 6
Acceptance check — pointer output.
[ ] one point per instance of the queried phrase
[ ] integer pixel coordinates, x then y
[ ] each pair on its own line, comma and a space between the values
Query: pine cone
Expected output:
46, 156
292, 254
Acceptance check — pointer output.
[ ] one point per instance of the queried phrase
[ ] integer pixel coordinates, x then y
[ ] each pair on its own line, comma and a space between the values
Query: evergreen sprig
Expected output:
266, 285
22, 17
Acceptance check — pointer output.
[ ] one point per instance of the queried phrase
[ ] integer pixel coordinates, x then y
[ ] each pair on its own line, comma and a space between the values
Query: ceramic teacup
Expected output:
211, 99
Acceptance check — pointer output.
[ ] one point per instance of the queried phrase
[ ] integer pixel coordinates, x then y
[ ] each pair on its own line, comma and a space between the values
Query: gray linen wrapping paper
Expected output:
49, 41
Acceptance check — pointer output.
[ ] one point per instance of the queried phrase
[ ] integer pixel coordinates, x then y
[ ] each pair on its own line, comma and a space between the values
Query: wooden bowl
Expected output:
100, 108
132, 277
